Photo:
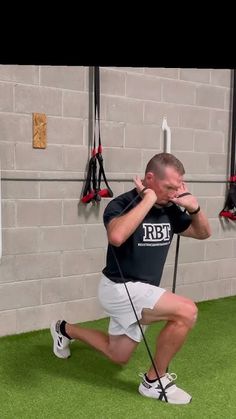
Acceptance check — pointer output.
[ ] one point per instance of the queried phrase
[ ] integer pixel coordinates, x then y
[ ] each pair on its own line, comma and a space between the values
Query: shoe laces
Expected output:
171, 376
57, 327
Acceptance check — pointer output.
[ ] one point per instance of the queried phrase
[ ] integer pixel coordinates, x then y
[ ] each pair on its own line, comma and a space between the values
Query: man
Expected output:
140, 225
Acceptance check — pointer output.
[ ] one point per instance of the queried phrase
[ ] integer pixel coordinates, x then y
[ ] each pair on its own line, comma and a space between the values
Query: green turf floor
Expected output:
35, 384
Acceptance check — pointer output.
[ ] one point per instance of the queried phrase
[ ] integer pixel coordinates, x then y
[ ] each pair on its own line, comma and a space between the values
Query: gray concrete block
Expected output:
16, 128
17, 295
6, 97
28, 158
178, 92
38, 213
20, 240
198, 75
67, 131
63, 77
7, 322
143, 87
20, 73
83, 262
29, 99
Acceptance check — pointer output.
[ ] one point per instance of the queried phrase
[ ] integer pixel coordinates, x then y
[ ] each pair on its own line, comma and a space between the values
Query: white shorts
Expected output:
115, 301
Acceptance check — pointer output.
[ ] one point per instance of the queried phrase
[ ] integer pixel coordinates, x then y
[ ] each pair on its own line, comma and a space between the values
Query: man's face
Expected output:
167, 188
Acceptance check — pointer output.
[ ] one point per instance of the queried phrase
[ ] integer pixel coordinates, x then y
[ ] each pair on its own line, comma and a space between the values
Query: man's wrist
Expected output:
149, 195
196, 211
141, 193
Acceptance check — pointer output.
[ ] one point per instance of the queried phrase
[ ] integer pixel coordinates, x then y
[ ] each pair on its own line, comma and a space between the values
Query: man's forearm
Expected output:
120, 229
200, 225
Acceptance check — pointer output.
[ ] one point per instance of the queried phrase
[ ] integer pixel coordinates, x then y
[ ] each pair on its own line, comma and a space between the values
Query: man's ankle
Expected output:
153, 379
63, 329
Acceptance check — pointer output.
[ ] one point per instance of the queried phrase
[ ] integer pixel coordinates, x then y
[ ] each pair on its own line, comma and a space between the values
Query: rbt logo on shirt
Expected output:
156, 234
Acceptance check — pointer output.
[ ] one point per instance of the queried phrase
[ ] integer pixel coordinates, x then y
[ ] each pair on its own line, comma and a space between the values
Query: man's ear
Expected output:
149, 178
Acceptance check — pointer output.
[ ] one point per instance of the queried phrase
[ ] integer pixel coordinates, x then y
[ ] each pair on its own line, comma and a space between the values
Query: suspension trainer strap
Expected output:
87, 193
97, 108
233, 136
92, 190
105, 193
229, 210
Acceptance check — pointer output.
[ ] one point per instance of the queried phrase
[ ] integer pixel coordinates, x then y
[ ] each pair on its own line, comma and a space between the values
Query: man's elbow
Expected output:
115, 240
205, 234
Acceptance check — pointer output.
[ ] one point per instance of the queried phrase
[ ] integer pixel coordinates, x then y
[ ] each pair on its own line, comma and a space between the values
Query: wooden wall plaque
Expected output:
39, 130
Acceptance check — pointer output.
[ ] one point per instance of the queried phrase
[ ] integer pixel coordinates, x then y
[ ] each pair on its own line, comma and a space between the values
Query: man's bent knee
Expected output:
121, 348
119, 358
190, 313
195, 315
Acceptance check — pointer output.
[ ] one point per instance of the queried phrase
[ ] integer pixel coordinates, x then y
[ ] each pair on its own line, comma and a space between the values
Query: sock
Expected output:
63, 329
150, 381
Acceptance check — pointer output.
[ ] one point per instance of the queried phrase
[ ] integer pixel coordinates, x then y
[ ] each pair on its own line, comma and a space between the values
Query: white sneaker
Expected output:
174, 394
60, 343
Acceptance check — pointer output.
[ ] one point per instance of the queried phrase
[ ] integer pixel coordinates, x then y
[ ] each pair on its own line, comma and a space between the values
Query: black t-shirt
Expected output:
142, 256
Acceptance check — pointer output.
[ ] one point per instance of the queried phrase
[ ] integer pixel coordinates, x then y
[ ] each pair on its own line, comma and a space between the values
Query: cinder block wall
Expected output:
53, 246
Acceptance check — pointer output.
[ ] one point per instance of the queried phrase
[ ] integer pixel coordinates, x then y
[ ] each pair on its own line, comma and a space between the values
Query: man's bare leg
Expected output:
117, 348
181, 315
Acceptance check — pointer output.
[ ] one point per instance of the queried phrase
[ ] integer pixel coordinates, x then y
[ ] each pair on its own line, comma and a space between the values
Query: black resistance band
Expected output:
163, 394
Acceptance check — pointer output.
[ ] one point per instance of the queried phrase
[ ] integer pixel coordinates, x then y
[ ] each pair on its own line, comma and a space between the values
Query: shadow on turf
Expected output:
26, 363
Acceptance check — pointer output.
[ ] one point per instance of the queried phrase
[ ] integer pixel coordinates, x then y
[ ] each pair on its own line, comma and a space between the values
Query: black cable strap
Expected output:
131, 302
140, 327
